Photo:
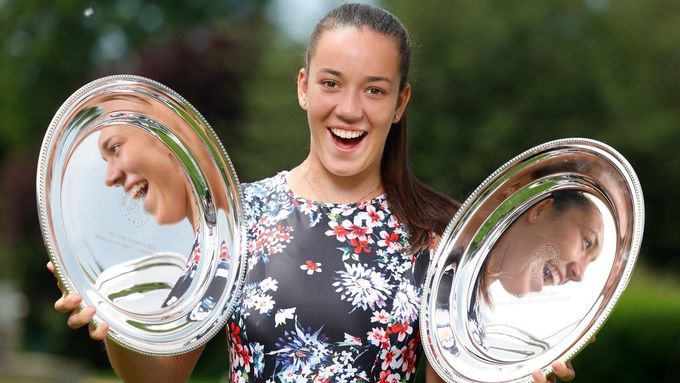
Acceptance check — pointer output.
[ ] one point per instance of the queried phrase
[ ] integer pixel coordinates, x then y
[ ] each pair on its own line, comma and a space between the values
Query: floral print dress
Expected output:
330, 294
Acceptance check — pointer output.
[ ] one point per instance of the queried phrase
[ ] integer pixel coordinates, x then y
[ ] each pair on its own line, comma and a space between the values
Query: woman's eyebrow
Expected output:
378, 79
337, 73
330, 71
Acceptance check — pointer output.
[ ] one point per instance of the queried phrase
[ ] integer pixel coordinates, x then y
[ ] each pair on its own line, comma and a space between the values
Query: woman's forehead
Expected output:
361, 47
118, 130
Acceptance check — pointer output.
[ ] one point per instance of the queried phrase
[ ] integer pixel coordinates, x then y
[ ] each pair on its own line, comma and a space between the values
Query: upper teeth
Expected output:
137, 189
342, 133
550, 268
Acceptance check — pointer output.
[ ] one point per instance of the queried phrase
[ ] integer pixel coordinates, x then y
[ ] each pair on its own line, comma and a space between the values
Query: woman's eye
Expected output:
587, 244
376, 91
114, 148
329, 84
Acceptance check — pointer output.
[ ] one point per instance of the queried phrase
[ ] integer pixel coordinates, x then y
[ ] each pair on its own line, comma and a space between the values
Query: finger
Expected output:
539, 377
50, 266
80, 318
67, 303
563, 370
99, 332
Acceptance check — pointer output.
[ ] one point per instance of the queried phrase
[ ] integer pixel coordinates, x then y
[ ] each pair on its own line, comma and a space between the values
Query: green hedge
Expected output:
641, 340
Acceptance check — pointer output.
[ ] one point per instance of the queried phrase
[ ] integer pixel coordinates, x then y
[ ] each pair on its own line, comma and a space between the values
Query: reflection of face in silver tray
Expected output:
550, 244
146, 170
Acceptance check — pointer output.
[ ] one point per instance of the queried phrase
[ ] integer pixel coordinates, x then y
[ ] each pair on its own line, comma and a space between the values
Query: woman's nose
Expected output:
114, 176
349, 108
575, 271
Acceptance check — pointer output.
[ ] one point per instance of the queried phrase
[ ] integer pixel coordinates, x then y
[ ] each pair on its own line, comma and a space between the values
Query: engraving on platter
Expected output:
132, 210
125, 242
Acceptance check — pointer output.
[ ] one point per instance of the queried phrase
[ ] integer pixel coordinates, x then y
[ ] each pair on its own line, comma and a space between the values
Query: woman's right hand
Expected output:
79, 317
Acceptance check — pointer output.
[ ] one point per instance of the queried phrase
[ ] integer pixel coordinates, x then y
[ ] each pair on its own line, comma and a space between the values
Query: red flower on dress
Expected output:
311, 267
360, 246
340, 231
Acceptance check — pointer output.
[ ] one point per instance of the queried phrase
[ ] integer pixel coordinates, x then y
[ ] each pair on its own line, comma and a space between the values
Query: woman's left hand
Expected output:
561, 370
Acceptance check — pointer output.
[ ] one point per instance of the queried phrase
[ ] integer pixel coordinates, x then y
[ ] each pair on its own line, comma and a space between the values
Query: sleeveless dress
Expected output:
330, 293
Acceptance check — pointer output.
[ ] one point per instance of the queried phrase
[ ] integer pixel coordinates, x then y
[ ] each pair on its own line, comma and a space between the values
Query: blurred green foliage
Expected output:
490, 80
640, 342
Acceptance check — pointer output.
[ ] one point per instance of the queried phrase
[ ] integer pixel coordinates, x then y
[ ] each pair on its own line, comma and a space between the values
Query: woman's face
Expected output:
351, 94
549, 247
147, 170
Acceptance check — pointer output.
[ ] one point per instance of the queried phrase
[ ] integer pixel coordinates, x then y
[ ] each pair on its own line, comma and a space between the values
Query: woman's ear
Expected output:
302, 88
402, 101
535, 211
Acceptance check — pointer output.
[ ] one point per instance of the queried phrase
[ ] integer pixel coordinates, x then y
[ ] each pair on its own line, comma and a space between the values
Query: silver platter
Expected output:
533, 263
141, 213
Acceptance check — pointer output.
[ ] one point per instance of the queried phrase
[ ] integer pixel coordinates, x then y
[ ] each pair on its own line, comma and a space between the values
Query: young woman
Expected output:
337, 246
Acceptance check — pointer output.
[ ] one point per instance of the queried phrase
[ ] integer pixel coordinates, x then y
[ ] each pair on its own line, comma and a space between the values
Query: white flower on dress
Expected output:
362, 287
269, 284
390, 241
372, 216
263, 303
360, 231
391, 358
405, 304
339, 230
283, 315
344, 210
351, 339
377, 336
381, 316
308, 207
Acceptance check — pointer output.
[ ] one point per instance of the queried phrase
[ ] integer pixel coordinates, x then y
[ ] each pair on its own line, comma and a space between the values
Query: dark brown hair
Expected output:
421, 209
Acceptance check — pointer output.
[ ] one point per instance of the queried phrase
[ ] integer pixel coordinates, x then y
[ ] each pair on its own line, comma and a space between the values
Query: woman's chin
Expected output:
162, 219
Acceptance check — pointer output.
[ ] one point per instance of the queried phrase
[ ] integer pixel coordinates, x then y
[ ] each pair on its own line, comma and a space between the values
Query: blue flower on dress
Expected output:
301, 350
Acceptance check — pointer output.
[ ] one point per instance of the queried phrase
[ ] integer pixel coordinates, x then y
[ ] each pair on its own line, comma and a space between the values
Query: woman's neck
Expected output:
313, 181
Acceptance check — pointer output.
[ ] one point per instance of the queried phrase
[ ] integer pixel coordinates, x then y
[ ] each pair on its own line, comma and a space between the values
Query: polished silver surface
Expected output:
533, 263
141, 213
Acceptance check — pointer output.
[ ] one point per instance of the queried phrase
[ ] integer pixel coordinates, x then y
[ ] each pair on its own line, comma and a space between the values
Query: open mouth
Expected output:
551, 276
139, 190
543, 265
347, 139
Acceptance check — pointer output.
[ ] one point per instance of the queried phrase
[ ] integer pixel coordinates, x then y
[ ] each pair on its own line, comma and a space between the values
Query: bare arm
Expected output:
130, 366
430, 375
133, 367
